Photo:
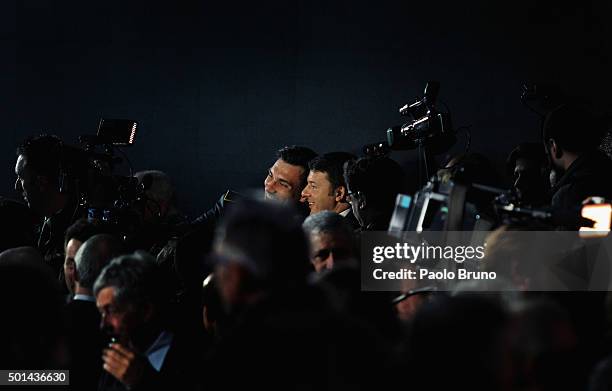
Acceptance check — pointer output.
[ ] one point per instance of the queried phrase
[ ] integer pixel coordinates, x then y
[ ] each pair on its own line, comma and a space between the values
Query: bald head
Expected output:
93, 255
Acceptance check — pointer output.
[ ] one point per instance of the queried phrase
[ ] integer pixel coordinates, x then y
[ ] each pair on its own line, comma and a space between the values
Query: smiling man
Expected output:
287, 176
325, 188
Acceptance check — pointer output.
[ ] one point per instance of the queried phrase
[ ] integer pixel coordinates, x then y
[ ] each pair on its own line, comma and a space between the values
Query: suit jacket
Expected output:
86, 343
177, 371
352, 220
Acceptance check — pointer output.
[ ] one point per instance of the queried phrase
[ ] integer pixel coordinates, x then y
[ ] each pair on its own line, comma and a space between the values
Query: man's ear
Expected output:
554, 149
340, 194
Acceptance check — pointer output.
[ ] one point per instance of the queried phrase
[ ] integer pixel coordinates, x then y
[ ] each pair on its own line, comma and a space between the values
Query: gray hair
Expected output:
160, 186
327, 222
93, 256
135, 278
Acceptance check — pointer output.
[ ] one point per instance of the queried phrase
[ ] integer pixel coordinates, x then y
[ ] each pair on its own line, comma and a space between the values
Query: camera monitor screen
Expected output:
118, 131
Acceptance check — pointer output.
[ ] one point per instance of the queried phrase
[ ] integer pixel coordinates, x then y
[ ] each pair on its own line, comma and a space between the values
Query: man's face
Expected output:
553, 151
407, 308
283, 182
525, 174
26, 183
327, 249
69, 265
119, 320
319, 193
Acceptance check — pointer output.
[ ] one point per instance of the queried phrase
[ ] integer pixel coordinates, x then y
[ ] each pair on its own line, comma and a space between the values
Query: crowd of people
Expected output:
265, 291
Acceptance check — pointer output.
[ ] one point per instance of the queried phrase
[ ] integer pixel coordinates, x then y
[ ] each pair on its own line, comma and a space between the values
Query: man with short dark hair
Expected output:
39, 166
284, 183
287, 176
147, 352
37, 170
527, 166
373, 184
571, 137
326, 188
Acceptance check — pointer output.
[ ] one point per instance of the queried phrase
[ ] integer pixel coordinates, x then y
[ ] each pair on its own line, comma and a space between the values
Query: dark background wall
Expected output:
219, 86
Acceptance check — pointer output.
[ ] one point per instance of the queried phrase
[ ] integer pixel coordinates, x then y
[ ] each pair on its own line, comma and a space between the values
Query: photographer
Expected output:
373, 185
39, 171
526, 165
571, 137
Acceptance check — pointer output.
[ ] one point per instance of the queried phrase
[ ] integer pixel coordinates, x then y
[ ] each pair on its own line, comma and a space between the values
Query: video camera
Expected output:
429, 127
88, 172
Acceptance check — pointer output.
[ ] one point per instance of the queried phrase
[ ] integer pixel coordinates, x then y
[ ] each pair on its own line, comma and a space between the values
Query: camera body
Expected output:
429, 128
88, 172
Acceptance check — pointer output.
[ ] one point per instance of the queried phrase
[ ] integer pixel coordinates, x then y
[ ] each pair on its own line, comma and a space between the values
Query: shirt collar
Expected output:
156, 353
82, 297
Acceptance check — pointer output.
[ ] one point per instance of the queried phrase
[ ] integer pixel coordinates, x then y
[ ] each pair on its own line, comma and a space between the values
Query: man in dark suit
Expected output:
86, 338
326, 188
145, 352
